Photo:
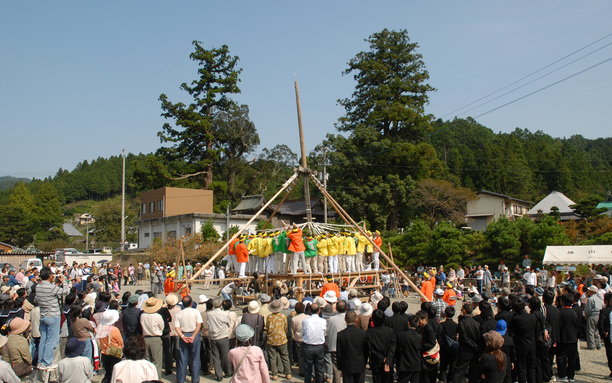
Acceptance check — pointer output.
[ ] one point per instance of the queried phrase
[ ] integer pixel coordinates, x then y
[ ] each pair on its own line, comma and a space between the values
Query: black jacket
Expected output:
604, 322
409, 352
131, 322
352, 350
509, 349
554, 320
523, 331
505, 315
569, 325
398, 322
381, 346
469, 335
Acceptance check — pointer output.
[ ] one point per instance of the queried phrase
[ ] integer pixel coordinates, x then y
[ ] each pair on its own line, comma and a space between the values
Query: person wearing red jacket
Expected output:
242, 256
232, 263
296, 247
427, 287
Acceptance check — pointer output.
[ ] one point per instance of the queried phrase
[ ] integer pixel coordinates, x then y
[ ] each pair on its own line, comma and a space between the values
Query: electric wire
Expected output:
529, 75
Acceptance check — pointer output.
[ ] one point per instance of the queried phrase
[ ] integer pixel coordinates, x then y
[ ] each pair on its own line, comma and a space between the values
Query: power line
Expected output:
546, 87
529, 75
536, 79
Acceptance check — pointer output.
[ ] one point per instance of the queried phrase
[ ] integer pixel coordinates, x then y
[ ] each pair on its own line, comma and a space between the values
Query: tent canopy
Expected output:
578, 255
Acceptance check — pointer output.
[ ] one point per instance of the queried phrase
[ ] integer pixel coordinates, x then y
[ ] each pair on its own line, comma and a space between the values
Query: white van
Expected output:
32, 263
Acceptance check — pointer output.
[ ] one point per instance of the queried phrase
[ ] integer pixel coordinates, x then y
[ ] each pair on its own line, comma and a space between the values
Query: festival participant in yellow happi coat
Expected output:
341, 251
362, 242
332, 253
322, 252
350, 249
264, 250
252, 244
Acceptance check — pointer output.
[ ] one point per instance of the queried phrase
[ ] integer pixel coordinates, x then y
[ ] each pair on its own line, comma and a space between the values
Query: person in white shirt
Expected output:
187, 324
152, 324
530, 277
314, 329
134, 368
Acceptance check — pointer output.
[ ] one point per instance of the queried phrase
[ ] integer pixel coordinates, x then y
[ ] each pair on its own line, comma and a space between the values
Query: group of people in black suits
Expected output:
517, 343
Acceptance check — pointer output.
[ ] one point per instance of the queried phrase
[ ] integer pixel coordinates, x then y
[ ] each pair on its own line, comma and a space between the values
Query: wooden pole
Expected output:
277, 207
338, 207
184, 266
285, 186
304, 167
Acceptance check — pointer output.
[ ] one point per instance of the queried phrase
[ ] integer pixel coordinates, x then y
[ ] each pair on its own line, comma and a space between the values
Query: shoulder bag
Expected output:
113, 351
240, 363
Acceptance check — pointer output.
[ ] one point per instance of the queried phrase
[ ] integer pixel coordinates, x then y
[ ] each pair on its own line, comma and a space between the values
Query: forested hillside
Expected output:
522, 164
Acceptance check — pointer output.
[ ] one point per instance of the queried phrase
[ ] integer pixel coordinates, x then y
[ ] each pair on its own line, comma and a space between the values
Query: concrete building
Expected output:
174, 212
489, 207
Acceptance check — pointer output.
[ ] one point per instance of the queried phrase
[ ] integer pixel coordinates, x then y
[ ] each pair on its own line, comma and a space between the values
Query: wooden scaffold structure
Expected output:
301, 278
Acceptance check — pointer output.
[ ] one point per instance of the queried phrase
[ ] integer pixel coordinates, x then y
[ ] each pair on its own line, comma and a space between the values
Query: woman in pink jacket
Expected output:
252, 367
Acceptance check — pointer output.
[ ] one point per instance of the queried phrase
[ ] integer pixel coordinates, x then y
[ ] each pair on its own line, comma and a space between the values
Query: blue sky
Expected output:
81, 80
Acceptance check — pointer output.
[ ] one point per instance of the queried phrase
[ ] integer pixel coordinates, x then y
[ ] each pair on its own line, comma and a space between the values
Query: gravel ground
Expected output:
593, 362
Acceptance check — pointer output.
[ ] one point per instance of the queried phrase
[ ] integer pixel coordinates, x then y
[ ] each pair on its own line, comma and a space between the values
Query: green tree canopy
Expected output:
193, 137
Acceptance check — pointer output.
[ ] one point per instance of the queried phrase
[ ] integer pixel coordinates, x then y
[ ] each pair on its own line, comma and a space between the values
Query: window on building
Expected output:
152, 207
146, 235
157, 235
144, 208
188, 230
160, 205
171, 234
518, 209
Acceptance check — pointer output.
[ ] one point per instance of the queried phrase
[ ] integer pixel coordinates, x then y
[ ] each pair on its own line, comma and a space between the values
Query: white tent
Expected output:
578, 255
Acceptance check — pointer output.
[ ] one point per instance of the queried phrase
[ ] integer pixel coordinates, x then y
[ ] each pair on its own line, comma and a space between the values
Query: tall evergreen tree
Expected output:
193, 136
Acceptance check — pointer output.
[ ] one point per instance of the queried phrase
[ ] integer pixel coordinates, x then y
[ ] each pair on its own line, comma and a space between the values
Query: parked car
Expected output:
31, 263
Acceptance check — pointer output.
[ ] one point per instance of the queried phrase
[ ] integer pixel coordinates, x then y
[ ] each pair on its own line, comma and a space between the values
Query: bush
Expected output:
209, 233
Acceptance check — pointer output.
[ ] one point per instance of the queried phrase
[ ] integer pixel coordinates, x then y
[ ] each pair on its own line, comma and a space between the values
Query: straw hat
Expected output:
18, 325
276, 306
152, 305
366, 309
202, 298
593, 289
3, 340
278, 284
172, 299
253, 307
264, 298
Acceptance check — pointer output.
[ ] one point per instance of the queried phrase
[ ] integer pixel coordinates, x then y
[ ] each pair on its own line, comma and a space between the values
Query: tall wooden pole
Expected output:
304, 165
382, 253
246, 225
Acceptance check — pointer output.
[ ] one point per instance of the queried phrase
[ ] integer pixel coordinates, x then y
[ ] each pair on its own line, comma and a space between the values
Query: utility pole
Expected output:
304, 165
123, 204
